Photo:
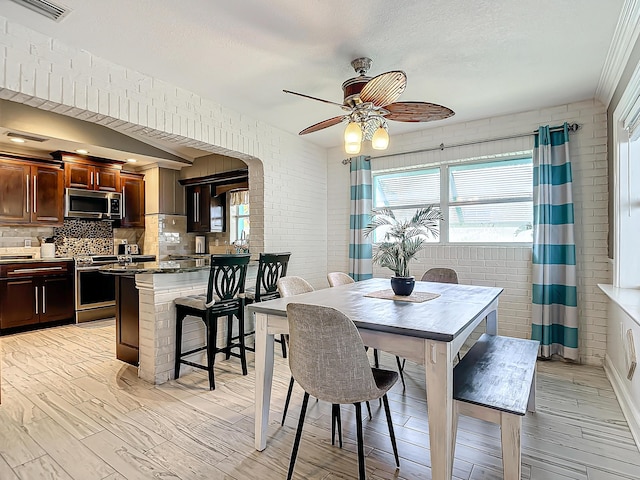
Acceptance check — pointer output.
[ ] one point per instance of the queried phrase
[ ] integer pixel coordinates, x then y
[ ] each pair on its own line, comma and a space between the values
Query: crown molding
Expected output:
624, 39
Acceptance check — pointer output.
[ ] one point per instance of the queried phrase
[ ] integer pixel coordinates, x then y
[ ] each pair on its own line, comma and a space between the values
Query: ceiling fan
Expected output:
370, 102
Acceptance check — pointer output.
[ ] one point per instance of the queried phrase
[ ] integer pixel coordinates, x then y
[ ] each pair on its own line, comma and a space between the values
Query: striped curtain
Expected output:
360, 248
555, 305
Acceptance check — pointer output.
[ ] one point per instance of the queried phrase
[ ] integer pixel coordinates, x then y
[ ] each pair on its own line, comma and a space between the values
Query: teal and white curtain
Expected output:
360, 248
555, 303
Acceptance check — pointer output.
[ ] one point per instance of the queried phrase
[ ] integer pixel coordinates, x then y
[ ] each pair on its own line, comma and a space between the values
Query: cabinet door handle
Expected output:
195, 206
36, 289
91, 178
98, 178
20, 271
124, 202
35, 193
44, 301
28, 196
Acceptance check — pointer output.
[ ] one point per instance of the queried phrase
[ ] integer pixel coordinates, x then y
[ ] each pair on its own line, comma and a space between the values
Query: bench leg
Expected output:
510, 426
531, 405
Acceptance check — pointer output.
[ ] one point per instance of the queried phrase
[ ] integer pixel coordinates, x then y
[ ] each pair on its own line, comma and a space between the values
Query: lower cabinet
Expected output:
31, 300
127, 319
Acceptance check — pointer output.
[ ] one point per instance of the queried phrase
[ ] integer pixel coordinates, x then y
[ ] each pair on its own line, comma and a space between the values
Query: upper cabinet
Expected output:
206, 204
132, 189
91, 177
31, 192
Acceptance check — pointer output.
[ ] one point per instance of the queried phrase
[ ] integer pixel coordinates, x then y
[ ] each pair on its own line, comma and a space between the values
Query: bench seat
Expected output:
495, 381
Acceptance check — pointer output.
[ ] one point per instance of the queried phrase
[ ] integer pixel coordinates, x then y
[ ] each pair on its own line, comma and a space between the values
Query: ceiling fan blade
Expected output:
385, 88
417, 112
323, 124
318, 99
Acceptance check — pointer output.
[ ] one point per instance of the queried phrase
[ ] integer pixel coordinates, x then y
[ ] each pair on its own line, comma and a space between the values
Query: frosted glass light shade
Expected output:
352, 148
353, 133
380, 140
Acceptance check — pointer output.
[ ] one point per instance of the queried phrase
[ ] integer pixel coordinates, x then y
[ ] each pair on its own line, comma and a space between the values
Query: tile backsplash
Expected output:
83, 237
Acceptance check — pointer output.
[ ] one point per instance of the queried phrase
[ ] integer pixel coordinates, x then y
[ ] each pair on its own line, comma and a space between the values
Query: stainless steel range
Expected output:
95, 295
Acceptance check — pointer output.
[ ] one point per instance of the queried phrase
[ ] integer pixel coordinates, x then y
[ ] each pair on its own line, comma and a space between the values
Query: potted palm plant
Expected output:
403, 239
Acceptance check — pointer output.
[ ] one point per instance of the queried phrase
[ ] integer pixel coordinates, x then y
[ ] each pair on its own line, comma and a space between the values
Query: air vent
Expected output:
26, 137
48, 9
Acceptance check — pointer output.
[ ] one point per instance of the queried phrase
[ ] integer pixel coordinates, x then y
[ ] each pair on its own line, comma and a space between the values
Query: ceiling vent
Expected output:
43, 7
26, 137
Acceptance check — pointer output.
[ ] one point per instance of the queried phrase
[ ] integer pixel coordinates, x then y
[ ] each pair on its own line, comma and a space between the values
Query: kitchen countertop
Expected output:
5, 260
164, 266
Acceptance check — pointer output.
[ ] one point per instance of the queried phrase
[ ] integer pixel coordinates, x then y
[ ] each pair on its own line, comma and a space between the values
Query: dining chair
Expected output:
271, 267
336, 279
440, 275
224, 298
288, 287
324, 336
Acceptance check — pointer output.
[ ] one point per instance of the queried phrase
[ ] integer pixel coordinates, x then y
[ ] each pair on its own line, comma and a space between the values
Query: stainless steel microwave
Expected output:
92, 205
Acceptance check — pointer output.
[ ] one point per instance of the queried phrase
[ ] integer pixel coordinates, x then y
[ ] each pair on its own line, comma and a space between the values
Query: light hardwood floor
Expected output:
71, 411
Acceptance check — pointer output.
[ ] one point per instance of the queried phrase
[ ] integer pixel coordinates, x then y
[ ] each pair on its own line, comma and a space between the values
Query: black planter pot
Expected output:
403, 285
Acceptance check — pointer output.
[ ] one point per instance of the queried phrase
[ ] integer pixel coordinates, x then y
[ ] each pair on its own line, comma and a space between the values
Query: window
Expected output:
239, 211
405, 192
487, 202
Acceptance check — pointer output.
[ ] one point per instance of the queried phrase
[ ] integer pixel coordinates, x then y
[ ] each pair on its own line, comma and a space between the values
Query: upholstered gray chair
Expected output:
288, 287
328, 360
441, 275
338, 278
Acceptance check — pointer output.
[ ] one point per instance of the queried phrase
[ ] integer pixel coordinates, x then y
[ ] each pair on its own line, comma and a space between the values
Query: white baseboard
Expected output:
629, 410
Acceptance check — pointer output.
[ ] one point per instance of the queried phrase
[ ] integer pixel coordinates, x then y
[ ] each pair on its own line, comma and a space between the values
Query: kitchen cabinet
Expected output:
198, 200
35, 293
127, 320
132, 189
31, 192
91, 177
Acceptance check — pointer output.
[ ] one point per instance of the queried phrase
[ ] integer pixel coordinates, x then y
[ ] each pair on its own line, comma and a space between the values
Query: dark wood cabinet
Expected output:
31, 193
132, 189
127, 320
91, 177
34, 293
206, 212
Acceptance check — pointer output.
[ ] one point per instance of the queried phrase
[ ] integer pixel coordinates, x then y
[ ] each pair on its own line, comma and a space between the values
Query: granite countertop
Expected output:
164, 266
4, 259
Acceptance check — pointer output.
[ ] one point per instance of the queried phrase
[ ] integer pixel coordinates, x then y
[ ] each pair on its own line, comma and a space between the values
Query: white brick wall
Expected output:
507, 267
287, 174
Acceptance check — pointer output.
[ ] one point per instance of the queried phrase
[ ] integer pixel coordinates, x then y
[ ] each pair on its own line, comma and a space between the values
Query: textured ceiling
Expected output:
481, 58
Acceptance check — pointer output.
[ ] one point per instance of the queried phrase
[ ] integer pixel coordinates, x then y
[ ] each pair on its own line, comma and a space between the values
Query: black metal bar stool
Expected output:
271, 267
224, 298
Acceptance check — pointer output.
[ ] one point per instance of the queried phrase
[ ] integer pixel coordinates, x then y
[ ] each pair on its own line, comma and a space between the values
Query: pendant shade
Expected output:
380, 139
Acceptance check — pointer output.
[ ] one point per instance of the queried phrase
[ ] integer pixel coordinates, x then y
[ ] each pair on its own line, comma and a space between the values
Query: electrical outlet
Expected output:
27, 242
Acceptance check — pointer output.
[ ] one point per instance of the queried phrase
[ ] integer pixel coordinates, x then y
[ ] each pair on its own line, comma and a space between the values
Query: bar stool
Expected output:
271, 267
225, 297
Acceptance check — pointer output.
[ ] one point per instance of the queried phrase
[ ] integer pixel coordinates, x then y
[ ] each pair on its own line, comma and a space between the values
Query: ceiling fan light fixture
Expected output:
353, 133
352, 148
380, 139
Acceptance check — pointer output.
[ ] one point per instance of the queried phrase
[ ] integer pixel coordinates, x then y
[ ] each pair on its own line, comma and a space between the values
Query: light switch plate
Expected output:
27, 242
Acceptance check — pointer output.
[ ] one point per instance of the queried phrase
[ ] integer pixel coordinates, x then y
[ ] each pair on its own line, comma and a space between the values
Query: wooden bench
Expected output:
496, 382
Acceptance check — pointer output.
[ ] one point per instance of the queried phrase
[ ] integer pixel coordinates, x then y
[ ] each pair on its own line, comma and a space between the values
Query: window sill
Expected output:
628, 299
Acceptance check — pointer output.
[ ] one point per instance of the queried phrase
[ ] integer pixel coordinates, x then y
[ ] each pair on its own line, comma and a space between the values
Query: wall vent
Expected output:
43, 7
26, 137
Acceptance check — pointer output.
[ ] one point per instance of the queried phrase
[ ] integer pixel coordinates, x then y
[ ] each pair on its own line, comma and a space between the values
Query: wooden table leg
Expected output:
264, 379
439, 376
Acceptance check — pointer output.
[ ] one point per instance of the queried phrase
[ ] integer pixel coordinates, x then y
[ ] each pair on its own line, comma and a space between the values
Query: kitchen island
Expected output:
157, 285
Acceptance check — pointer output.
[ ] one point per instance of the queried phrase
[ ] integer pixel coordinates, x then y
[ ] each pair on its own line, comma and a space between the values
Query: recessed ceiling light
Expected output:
18, 140
82, 151
131, 160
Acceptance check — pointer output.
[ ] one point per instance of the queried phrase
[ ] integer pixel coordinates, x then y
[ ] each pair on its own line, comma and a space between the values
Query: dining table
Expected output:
427, 328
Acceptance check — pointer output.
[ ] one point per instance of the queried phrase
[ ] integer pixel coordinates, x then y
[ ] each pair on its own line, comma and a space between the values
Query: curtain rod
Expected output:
573, 127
